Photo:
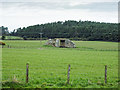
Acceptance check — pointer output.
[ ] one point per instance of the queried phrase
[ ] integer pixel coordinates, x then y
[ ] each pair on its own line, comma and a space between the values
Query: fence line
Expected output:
92, 65
27, 72
105, 73
85, 75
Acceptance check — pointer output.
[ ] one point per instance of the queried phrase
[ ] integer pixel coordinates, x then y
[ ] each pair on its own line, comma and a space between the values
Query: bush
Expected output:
24, 38
3, 37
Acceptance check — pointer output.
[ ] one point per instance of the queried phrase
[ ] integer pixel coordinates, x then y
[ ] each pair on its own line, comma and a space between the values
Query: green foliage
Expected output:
24, 38
78, 30
48, 65
3, 37
4, 30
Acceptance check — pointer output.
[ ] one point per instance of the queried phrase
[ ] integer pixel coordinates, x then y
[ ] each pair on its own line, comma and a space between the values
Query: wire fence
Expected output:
52, 73
69, 73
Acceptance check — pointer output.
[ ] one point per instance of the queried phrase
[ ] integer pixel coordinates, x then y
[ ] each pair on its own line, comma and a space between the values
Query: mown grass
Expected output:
48, 65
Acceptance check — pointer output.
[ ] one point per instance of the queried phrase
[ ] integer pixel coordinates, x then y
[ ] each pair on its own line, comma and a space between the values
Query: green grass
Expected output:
48, 65
12, 37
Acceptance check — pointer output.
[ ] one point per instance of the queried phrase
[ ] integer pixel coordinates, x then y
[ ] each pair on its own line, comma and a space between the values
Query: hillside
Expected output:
77, 30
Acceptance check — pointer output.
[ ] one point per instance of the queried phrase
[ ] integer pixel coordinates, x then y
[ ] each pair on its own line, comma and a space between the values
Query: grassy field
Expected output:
48, 65
12, 37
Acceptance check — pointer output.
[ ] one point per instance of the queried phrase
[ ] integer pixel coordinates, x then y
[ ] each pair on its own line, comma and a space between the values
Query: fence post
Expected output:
105, 73
68, 76
27, 72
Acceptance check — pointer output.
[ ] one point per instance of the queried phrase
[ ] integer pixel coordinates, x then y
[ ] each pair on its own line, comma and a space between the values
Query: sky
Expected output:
22, 13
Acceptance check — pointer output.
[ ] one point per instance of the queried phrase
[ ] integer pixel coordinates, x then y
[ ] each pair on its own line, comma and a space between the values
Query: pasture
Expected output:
48, 65
12, 37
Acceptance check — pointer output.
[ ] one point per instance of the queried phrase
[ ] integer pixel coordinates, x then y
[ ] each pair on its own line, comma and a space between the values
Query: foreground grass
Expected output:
48, 65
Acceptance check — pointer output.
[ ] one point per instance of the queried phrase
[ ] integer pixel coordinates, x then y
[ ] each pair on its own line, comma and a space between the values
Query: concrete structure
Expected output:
61, 42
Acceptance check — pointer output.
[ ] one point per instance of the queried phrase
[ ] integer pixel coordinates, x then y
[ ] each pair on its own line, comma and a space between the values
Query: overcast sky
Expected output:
23, 13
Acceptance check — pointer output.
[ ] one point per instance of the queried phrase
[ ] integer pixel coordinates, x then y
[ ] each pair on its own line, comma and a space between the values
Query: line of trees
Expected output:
77, 30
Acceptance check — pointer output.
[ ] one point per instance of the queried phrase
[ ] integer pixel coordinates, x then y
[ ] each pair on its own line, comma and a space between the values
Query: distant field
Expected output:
48, 65
12, 37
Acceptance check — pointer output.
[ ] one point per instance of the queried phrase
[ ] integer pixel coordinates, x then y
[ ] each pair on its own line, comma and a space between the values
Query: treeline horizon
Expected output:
76, 30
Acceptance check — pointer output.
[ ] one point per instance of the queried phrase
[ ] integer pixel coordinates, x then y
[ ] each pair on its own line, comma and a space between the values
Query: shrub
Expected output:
3, 37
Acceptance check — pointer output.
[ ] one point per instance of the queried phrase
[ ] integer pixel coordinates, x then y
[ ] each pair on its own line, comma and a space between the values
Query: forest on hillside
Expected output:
77, 30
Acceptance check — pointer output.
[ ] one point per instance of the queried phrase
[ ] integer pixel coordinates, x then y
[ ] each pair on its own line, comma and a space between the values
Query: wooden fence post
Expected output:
68, 76
105, 73
27, 72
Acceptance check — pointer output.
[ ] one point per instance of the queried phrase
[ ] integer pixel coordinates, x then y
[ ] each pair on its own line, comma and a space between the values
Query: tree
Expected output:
83, 30
3, 37
4, 30
24, 38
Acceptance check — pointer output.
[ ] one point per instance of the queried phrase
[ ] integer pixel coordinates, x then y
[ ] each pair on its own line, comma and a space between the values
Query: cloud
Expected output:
94, 6
22, 14
59, 0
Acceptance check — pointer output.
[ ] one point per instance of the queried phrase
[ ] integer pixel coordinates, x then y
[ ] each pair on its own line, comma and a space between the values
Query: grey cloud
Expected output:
101, 6
95, 6
59, 0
